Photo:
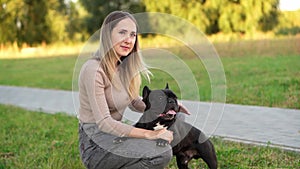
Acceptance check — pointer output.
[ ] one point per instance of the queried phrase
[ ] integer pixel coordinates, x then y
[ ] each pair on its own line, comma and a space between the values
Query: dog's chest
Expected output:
159, 126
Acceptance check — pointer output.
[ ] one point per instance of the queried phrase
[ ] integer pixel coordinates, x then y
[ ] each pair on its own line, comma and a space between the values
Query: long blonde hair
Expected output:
131, 67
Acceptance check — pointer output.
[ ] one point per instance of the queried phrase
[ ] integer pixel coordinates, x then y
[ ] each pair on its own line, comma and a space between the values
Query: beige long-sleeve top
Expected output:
102, 103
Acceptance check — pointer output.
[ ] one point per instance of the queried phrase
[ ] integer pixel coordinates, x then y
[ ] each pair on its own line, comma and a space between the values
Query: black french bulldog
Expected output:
189, 142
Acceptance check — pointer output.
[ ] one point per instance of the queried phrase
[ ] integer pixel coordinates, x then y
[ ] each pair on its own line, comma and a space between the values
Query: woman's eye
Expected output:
133, 35
122, 32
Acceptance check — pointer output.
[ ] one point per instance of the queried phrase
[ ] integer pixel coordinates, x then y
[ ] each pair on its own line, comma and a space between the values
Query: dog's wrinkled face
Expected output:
163, 103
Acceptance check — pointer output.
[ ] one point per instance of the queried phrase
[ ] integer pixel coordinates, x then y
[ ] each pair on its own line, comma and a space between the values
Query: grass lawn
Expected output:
38, 140
53, 72
270, 80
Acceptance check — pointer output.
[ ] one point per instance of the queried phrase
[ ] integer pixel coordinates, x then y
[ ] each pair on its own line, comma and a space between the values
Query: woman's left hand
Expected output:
183, 109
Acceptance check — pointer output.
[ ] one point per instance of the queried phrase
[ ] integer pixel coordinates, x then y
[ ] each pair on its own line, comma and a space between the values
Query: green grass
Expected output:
38, 140
266, 81
237, 155
270, 80
53, 72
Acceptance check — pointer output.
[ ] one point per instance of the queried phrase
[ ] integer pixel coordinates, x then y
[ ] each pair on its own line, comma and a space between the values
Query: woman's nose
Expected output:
128, 39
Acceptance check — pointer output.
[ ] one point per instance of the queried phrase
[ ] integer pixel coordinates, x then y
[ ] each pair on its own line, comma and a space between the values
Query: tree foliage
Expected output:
99, 9
289, 23
212, 16
37, 21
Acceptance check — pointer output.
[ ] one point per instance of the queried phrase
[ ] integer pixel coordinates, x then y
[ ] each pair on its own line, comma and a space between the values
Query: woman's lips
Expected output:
125, 47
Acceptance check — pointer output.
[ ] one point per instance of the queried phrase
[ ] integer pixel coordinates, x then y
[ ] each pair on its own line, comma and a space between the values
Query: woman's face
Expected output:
123, 37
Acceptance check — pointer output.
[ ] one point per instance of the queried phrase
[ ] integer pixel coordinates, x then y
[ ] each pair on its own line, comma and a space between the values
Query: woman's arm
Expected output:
137, 105
93, 82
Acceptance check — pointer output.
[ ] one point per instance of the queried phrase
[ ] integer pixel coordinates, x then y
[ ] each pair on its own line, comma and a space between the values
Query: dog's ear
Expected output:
146, 91
167, 86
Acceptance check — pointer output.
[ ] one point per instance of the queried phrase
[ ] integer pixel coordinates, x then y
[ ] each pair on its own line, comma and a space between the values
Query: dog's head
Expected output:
163, 103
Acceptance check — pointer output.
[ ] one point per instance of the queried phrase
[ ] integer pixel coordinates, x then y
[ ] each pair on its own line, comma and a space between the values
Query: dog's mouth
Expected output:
169, 115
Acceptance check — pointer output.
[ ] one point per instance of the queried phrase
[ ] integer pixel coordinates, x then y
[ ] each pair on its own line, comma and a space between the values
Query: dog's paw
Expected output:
162, 143
119, 140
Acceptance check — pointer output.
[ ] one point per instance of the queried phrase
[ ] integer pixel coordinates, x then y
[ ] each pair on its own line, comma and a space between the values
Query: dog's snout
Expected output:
172, 104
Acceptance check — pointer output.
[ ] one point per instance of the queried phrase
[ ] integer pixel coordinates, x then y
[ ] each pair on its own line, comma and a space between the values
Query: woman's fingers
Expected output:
183, 109
165, 134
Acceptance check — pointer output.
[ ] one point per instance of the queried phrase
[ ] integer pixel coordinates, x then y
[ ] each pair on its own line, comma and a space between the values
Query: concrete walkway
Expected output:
274, 127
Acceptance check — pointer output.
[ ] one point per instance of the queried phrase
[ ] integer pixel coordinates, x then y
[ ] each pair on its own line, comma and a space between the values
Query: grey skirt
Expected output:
98, 150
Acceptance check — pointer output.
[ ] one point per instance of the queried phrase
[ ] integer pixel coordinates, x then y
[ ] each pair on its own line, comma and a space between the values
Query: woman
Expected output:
109, 83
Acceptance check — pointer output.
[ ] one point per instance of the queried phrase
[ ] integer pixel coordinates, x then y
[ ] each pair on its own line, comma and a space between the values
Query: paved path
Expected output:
250, 124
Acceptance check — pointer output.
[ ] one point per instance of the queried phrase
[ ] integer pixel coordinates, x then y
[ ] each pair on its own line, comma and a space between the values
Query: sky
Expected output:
289, 5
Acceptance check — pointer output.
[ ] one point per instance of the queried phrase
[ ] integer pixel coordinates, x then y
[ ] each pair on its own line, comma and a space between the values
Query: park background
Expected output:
257, 41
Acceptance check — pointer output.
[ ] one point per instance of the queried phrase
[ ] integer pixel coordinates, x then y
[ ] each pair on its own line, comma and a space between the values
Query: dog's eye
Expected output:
171, 101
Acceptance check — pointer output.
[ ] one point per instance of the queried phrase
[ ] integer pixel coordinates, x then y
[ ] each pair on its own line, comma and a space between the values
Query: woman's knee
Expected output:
159, 161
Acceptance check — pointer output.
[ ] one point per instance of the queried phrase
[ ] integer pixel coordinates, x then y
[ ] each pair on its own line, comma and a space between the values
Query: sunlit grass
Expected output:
38, 140
53, 72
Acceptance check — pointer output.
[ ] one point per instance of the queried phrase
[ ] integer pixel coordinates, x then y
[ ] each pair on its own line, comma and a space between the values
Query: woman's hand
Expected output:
160, 134
183, 109
152, 135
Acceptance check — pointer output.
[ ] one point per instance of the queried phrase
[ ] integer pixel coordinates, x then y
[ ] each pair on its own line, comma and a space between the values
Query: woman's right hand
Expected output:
161, 134
152, 135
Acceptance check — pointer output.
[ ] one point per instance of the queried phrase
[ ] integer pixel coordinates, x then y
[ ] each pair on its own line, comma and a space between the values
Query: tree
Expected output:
229, 16
248, 15
33, 21
99, 9
191, 10
10, 17
37, 21
270, 19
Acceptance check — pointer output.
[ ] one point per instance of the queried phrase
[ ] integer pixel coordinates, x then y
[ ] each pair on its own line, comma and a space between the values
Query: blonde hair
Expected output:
131, 67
